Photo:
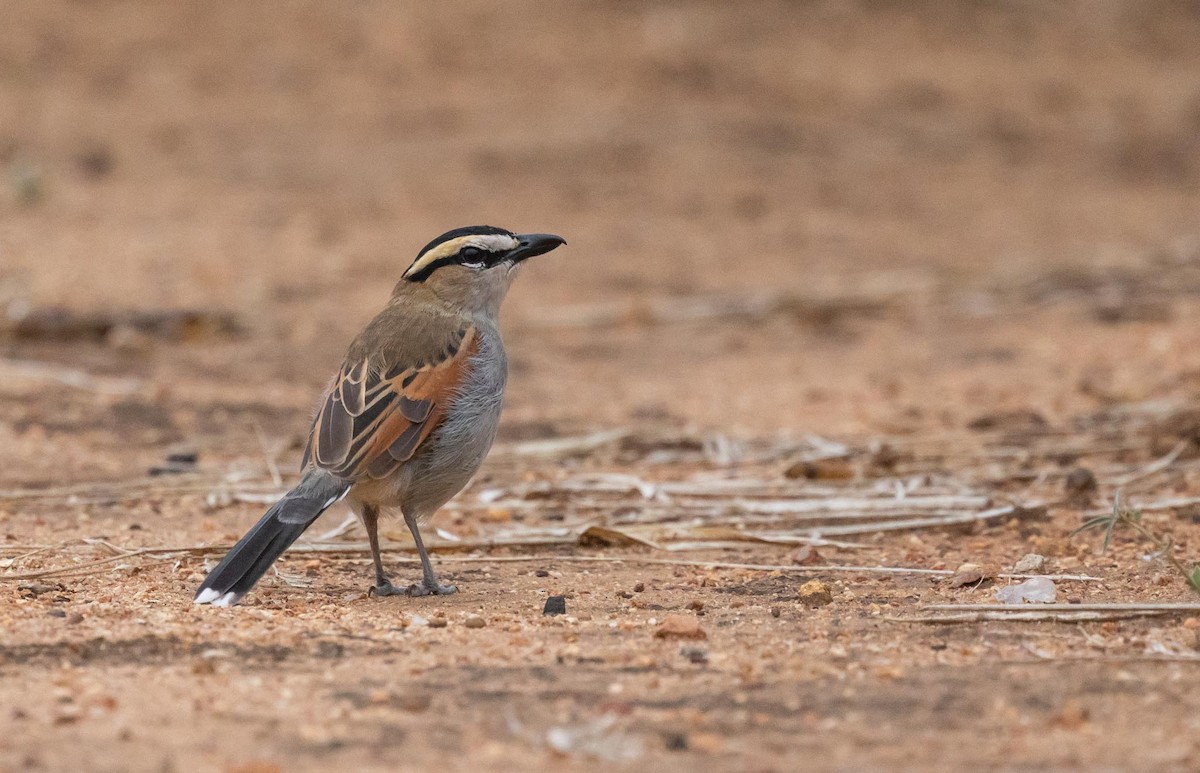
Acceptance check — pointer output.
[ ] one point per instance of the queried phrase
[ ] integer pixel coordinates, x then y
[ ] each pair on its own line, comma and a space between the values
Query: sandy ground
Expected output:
959, 240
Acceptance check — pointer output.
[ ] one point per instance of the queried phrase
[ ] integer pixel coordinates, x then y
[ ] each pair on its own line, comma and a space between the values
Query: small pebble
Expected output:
968, 574
676, 742
438, 622
1080, 481
74, 618
555, 605
542, 573
1030, 563
815, 593
639, 587
807, 556
680, 627
57, 613
695, 605
474, 621
776, 611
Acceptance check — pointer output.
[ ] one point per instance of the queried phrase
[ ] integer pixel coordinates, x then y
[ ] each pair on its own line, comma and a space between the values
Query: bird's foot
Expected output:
385, 588
430, 589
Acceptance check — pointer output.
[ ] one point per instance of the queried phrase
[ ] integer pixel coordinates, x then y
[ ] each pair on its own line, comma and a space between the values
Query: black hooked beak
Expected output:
531, 245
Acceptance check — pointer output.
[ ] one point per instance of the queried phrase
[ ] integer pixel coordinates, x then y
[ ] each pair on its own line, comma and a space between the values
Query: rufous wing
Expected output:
374, 419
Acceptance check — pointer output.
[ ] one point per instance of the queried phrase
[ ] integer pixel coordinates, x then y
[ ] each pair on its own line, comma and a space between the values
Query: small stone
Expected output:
74, 618
695, 655
1192, 623
35, 589
695, 605
639, 587
541, 573
57, 613
815, 593
1030, 563
680, 627
807, 555
675, 742
1035, 590
555, 605
776, 611
968, 574
474, 621
1080, 482
438, 622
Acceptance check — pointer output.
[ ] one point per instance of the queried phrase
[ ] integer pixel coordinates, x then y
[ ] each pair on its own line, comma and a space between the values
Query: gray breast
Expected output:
456, 449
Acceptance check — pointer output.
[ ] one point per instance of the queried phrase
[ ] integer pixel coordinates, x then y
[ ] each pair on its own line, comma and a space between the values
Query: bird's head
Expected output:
473, 267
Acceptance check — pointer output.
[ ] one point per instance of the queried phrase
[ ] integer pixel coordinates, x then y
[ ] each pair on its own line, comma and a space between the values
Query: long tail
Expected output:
274, 533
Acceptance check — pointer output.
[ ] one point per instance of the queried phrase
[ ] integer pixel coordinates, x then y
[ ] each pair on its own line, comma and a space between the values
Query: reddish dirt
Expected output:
979, 227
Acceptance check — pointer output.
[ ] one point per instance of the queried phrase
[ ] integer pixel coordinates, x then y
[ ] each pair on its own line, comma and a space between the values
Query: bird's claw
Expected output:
430, 589
385, 588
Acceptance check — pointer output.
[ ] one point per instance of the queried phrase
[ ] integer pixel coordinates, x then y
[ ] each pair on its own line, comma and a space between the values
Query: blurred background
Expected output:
830, 262
860, 216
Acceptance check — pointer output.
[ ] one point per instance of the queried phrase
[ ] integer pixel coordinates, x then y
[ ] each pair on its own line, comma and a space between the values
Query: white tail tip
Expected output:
214, 597
206, 596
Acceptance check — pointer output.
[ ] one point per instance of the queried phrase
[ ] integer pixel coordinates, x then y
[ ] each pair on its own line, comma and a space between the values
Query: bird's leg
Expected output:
429, 585
383, 586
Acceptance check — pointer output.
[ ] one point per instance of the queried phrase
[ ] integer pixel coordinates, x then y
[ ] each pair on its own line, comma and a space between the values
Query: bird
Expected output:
411, 414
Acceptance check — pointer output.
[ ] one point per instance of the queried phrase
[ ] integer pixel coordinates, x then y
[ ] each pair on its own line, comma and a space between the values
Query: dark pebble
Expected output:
95, 163
1081, 480
542, 573
57, 613
555, 605
676, 742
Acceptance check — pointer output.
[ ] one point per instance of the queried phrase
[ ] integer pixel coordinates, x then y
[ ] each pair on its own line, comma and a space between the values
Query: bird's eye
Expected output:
471, 256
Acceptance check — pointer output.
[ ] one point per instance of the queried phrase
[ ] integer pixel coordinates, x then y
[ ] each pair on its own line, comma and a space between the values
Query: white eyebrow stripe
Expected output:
493, 242
487, 242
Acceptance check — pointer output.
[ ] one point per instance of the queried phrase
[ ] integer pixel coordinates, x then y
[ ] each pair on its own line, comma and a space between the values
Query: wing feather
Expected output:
372, 421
